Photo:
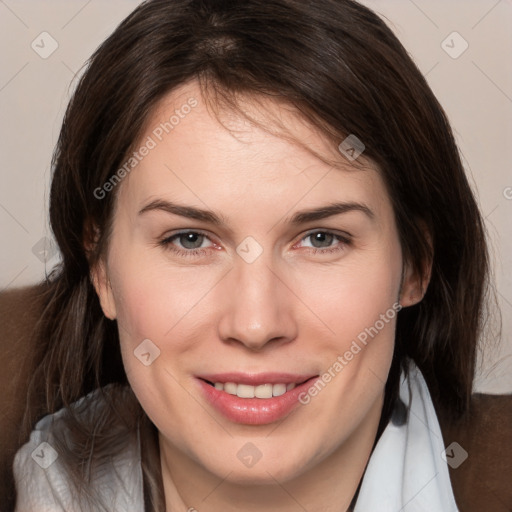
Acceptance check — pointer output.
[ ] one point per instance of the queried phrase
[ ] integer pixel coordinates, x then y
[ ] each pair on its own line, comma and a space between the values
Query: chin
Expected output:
264, 471
261, 475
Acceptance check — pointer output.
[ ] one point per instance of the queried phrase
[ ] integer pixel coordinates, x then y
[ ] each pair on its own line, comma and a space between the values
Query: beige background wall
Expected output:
473, 83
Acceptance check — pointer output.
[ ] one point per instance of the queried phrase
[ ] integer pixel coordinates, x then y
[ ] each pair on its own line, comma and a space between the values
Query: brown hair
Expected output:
344, 70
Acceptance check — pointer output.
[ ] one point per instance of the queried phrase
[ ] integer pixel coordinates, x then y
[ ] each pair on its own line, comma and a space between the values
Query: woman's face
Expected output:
255, 285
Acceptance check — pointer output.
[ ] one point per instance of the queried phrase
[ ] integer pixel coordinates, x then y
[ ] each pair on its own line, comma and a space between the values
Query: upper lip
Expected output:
256, 379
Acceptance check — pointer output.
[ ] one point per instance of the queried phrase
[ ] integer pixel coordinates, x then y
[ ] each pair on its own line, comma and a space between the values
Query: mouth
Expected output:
254, 399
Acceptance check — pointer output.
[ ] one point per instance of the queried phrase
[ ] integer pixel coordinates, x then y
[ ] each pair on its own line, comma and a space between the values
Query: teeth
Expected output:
263, 391
245, 391
230, 387
278, 389
248, 391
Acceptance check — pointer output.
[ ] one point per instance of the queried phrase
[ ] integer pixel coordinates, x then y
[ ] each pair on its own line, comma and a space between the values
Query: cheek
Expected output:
350, 298
152, 297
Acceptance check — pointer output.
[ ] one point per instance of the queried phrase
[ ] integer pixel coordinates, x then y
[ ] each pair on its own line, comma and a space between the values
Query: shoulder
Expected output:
41, 482
479, 454
58, 446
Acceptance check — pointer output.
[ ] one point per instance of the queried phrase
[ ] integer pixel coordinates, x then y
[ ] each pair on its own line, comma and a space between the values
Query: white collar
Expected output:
406, 471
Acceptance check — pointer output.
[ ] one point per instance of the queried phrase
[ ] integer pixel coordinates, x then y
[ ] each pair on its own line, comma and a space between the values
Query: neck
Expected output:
329, 485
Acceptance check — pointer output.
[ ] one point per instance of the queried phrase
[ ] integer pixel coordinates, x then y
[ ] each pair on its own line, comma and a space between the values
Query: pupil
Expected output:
319, 236
189, 239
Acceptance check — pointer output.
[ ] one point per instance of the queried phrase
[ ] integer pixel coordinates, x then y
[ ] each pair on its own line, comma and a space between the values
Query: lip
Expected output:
254, 411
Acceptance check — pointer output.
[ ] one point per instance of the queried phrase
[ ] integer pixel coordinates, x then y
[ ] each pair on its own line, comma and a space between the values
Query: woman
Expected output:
273, 269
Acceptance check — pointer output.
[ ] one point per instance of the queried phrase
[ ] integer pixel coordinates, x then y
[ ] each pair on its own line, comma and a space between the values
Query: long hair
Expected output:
344, 70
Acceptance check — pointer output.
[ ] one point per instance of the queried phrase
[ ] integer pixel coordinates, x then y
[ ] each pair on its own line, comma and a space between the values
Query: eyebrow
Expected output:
300, 217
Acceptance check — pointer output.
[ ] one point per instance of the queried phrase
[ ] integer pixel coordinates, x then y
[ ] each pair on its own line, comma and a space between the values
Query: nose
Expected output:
258, 306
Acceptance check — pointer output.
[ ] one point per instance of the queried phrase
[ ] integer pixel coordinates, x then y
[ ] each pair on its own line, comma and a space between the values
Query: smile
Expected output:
259, 400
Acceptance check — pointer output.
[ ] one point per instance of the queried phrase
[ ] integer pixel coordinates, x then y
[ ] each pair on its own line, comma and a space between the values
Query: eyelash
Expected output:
190, 253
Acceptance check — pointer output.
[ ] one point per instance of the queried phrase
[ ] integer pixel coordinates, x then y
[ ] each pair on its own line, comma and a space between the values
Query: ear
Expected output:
98, 271
103, 287
414, 283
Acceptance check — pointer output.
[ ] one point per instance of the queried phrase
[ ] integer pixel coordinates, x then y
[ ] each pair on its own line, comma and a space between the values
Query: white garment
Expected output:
46, 489
405, 473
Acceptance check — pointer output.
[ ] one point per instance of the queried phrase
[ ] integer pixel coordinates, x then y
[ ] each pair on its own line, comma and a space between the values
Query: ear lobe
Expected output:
103, 288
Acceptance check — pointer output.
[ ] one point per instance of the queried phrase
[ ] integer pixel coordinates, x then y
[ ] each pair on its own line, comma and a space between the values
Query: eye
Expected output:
190, 241
321, 241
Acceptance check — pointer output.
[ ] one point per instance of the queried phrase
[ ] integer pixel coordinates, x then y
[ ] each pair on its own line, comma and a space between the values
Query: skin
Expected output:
290, 310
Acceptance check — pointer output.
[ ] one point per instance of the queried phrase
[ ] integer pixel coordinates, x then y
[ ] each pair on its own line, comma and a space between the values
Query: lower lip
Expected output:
254, 411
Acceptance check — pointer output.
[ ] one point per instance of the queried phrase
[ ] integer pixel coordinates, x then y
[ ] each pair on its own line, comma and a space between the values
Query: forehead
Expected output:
221, 158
